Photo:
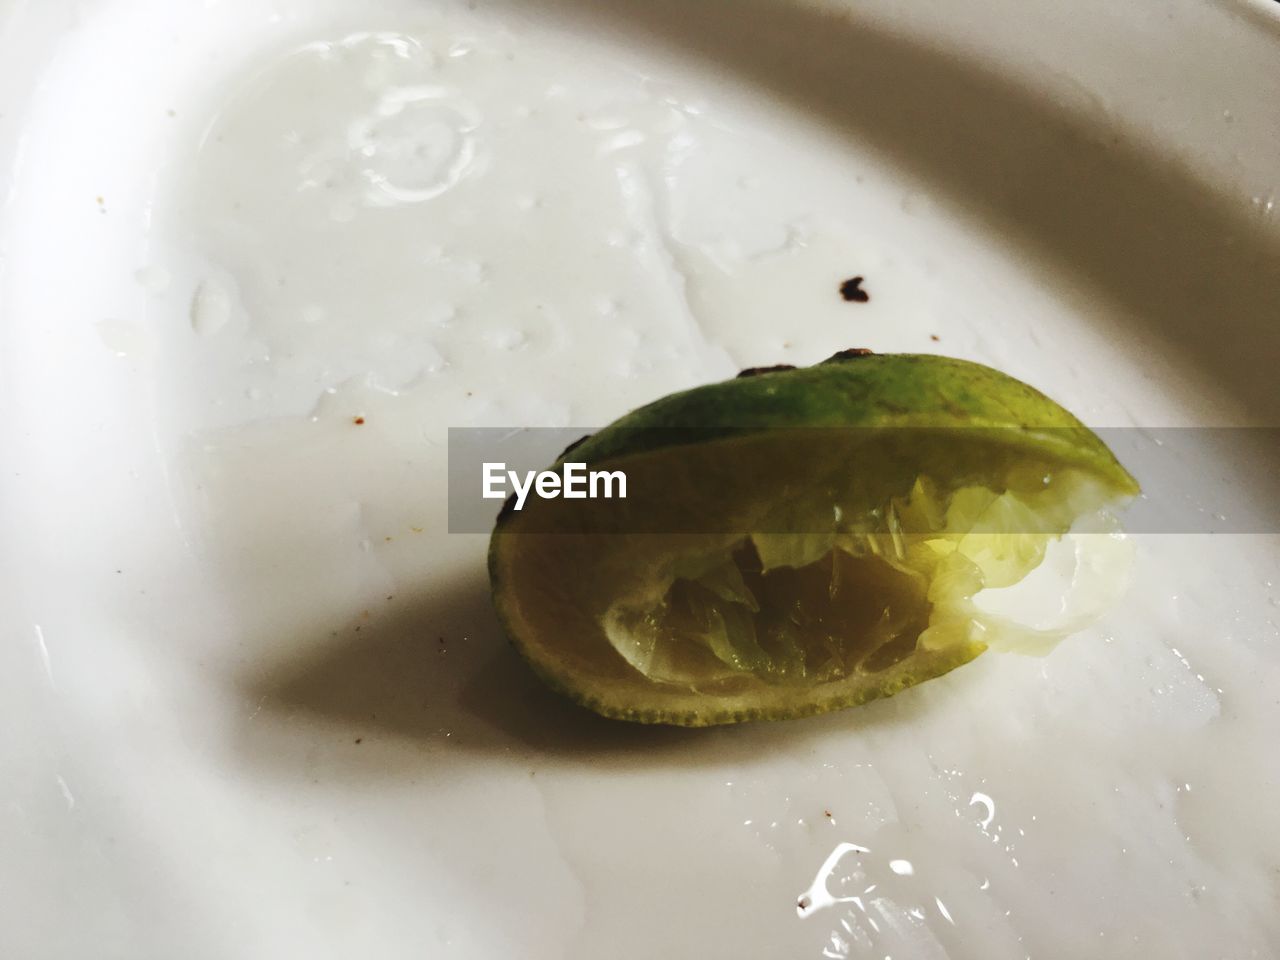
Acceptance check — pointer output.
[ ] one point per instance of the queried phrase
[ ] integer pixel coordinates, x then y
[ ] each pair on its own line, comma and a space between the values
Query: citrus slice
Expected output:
802, 540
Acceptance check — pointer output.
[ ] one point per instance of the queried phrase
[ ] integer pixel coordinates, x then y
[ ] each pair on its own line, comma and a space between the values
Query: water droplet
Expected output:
819, 895
509, 338
122, 337
418, 142
990, 806
210, 308
153, 279
342, 211
620, 141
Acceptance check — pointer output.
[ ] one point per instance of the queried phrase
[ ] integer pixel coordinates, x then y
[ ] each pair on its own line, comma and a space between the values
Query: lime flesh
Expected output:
813, 539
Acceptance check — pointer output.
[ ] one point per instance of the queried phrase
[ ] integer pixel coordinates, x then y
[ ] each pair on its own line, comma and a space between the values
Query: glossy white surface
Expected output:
255, 702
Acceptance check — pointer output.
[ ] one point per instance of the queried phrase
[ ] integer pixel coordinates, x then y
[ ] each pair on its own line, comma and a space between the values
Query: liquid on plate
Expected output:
376, 234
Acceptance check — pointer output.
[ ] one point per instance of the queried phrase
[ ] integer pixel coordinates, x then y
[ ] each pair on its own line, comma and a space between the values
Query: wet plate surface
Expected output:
256, 259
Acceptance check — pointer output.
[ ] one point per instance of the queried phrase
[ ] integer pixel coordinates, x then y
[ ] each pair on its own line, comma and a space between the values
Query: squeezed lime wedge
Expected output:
803, 540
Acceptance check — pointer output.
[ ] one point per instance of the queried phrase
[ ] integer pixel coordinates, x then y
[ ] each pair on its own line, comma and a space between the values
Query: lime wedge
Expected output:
802, 540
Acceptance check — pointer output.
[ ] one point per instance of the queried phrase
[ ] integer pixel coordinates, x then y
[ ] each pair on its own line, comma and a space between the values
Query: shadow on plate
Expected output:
441, 677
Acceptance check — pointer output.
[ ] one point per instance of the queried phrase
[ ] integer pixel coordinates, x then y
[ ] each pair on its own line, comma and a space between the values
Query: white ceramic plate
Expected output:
255, 704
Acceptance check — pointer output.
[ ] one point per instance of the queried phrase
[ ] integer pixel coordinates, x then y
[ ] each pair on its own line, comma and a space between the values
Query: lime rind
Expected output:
876, 391
692, 630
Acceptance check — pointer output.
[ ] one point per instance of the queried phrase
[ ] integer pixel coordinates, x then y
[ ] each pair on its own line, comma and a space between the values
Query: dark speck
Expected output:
850, 354
934, 337
756, 371
358, 421
852, 291
359, 739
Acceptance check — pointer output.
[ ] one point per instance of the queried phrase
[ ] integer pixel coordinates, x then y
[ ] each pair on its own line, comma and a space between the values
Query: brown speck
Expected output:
357, 629
390, 596
387, 539
827, 814
359, 739
852, 291
469, 393
364, 614
934, 337
757, 371
358, 421
99, 201
850, 354
416, 529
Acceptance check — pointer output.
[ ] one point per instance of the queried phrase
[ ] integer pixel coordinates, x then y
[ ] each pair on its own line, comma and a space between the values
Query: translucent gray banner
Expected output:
1193, 480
